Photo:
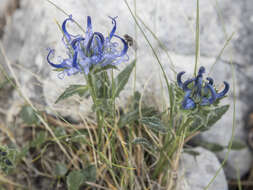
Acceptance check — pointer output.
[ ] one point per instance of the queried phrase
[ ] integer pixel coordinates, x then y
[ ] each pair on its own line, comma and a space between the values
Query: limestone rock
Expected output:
197, 172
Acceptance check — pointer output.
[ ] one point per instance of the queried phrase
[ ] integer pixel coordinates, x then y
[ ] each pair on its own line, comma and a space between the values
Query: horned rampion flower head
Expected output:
84, 52
199, 91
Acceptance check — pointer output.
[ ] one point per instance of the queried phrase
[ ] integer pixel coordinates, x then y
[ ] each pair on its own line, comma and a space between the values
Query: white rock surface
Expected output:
196, 172
33, 29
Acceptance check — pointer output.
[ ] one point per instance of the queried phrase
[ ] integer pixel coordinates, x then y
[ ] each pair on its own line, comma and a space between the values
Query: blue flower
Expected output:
83, 52
199, 91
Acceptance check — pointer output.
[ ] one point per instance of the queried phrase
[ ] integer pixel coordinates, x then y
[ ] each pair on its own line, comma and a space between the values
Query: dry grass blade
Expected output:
5, 180
27, 100
7, 132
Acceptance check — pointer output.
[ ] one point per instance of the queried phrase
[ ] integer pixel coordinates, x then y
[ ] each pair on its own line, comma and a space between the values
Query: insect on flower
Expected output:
199, 91
84, 52
130, 41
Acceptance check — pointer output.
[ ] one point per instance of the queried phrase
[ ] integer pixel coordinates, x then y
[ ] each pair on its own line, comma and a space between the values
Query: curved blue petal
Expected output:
99, 48
89, 43
188, 102
66, 34
223, 93
125, 46
74, 63
59, 66
89, 26
186, 83
76, 41
201, 70
199, 81
179, 79
101, 37
114, 27
210, 80
207, 101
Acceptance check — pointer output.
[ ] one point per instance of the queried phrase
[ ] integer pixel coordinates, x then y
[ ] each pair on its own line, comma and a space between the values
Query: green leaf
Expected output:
215, 147
60, 169
40, 138
236, 145
216, 114
154, 123
89, 173
128, 118
142, 141
59, 132
122, 79
28, 115
133, 116
72, 90
100, 69
192, 152
74, 180
79, 138
196, 123
77, 178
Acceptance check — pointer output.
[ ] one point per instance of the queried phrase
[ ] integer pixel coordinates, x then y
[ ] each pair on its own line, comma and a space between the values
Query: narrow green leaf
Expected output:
79, 138
128, 118
236, 145
28, 115
71, 90
74, 180
215, 147
100, 69
192, 152
154, 123
133, 116
122, 79
142, 141
197, 40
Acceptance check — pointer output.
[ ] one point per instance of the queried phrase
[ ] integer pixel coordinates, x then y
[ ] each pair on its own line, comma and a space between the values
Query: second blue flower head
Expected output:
199, 91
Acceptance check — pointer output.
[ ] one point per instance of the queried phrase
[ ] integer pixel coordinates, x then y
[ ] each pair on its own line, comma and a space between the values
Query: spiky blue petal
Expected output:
211, 99
59, 66
187, 83
210, 80
224, 92
188, 102
114, 27
179, 79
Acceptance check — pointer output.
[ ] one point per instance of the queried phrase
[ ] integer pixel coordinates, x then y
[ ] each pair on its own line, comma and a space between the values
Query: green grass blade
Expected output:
152, 48
161, 44
65, 13
233, 131
197, 41
221, 52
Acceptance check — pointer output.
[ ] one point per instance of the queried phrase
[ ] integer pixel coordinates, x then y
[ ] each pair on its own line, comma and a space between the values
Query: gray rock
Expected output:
196, 172
33, 30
